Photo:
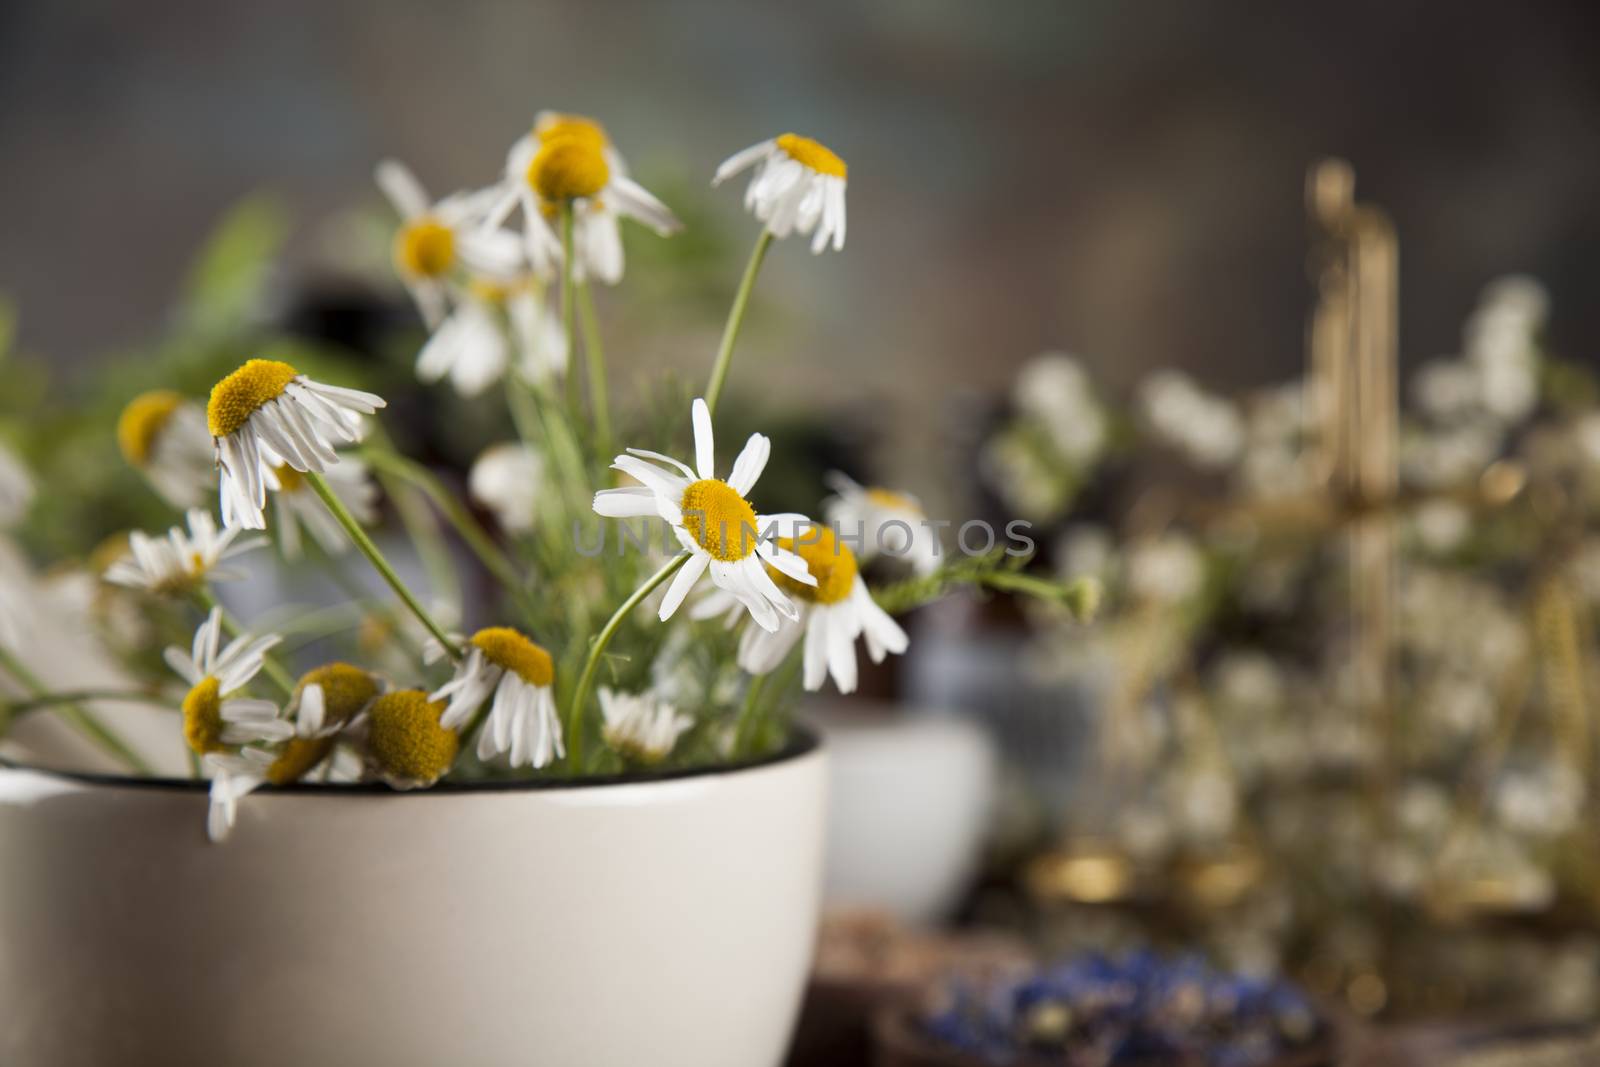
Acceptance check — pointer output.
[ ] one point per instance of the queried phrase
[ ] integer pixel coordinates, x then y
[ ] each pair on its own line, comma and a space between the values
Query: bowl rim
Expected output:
803, 741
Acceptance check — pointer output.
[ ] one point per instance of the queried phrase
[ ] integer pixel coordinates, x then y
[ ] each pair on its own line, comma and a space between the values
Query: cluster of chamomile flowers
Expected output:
270, 434
483, 289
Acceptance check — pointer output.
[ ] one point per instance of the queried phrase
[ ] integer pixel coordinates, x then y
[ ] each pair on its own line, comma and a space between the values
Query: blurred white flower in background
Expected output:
1546, 800
641, 727
183, 560
507, 478
1501, 341
1054, 390
885, 520
1206, 428
1275, 430
1441, 525
297, 505
163, 434
438, 240
1165, 570
16, 488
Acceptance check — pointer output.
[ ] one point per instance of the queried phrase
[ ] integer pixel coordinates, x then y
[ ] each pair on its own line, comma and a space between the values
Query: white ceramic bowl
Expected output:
910, 795
664, 922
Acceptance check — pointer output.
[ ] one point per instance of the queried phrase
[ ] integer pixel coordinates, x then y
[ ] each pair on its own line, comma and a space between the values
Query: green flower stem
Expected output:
269, 664
730, 332
342, 514
83, 719
362, 600
568, 269
14, 709
747, 715
471, 531
423, 533
595, 354
538, 419
580, 696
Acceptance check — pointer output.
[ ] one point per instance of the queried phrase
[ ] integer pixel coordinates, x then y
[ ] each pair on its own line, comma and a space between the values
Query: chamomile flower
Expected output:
234, 776
522, 719
265, 415
163, 435
568, 159
297, 505
490, 323
214, 715
16, 488
325, 701
713, 521
406, 744
835, 609
798, 187
882, 520
181, 561
507, 479
641, 727
438, 240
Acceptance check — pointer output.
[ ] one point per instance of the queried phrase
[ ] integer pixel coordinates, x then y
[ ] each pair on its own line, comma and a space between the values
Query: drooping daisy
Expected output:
438, 240
405, 743
325, 701
713, 521
163, 435
522, 719
641, 727
507, 479
215, 716
266, 414
835, 610
16, 488
234, 776
798, 187
181, 561
882, 520
569, 159
298, 506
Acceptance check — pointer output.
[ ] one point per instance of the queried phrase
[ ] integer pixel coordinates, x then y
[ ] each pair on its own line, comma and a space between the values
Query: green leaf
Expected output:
231, 271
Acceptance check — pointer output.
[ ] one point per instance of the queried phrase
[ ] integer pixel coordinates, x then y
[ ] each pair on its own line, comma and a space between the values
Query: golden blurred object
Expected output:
1501, 482
1220, 881
1366, 994
1087, 873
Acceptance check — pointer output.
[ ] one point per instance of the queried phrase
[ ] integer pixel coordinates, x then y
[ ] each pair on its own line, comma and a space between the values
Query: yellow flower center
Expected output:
509, 650
240, 394
553, 127
568, 168
405, 740
813, 154
289, 479
888, 498
490, 291
182, 582
425, 248
345, 690
202, 716
830, 562
108, 552
298, 756
720, 520
142, 422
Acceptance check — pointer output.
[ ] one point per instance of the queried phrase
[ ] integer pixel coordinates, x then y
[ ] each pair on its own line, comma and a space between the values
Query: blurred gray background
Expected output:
1123, 179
